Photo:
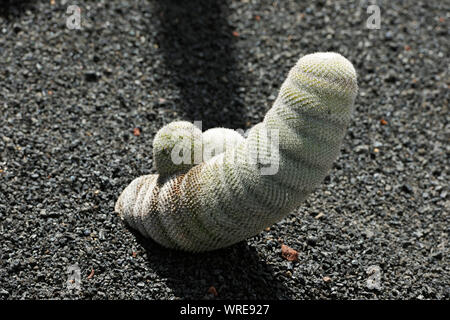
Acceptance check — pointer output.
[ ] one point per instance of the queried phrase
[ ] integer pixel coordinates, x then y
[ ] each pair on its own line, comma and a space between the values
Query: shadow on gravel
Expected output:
235, 272
197, 45
14, 8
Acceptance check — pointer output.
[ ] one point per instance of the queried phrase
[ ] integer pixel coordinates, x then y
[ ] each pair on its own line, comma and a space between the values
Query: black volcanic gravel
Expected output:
70, 99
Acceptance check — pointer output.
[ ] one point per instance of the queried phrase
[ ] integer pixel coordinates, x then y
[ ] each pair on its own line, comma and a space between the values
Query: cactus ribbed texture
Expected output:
223, 200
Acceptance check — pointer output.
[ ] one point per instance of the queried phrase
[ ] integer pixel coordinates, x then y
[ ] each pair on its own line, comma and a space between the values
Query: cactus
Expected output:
214, 203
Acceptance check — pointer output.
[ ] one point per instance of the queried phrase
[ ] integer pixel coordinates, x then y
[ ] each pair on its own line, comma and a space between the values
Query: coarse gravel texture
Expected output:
377, 228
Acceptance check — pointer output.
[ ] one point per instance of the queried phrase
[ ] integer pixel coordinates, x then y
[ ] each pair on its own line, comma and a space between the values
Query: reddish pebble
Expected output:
383, 122
235, 33
213, 291
288, 253
137, 132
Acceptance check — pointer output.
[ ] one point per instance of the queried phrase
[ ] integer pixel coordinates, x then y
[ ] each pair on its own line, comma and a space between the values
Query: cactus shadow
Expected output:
197, 45
236, 272
14, 8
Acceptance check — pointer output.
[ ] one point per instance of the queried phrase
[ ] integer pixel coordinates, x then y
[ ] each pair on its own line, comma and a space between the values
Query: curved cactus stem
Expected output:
248, 184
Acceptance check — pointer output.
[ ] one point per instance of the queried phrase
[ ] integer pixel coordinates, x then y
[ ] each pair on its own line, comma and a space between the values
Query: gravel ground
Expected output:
70, 100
